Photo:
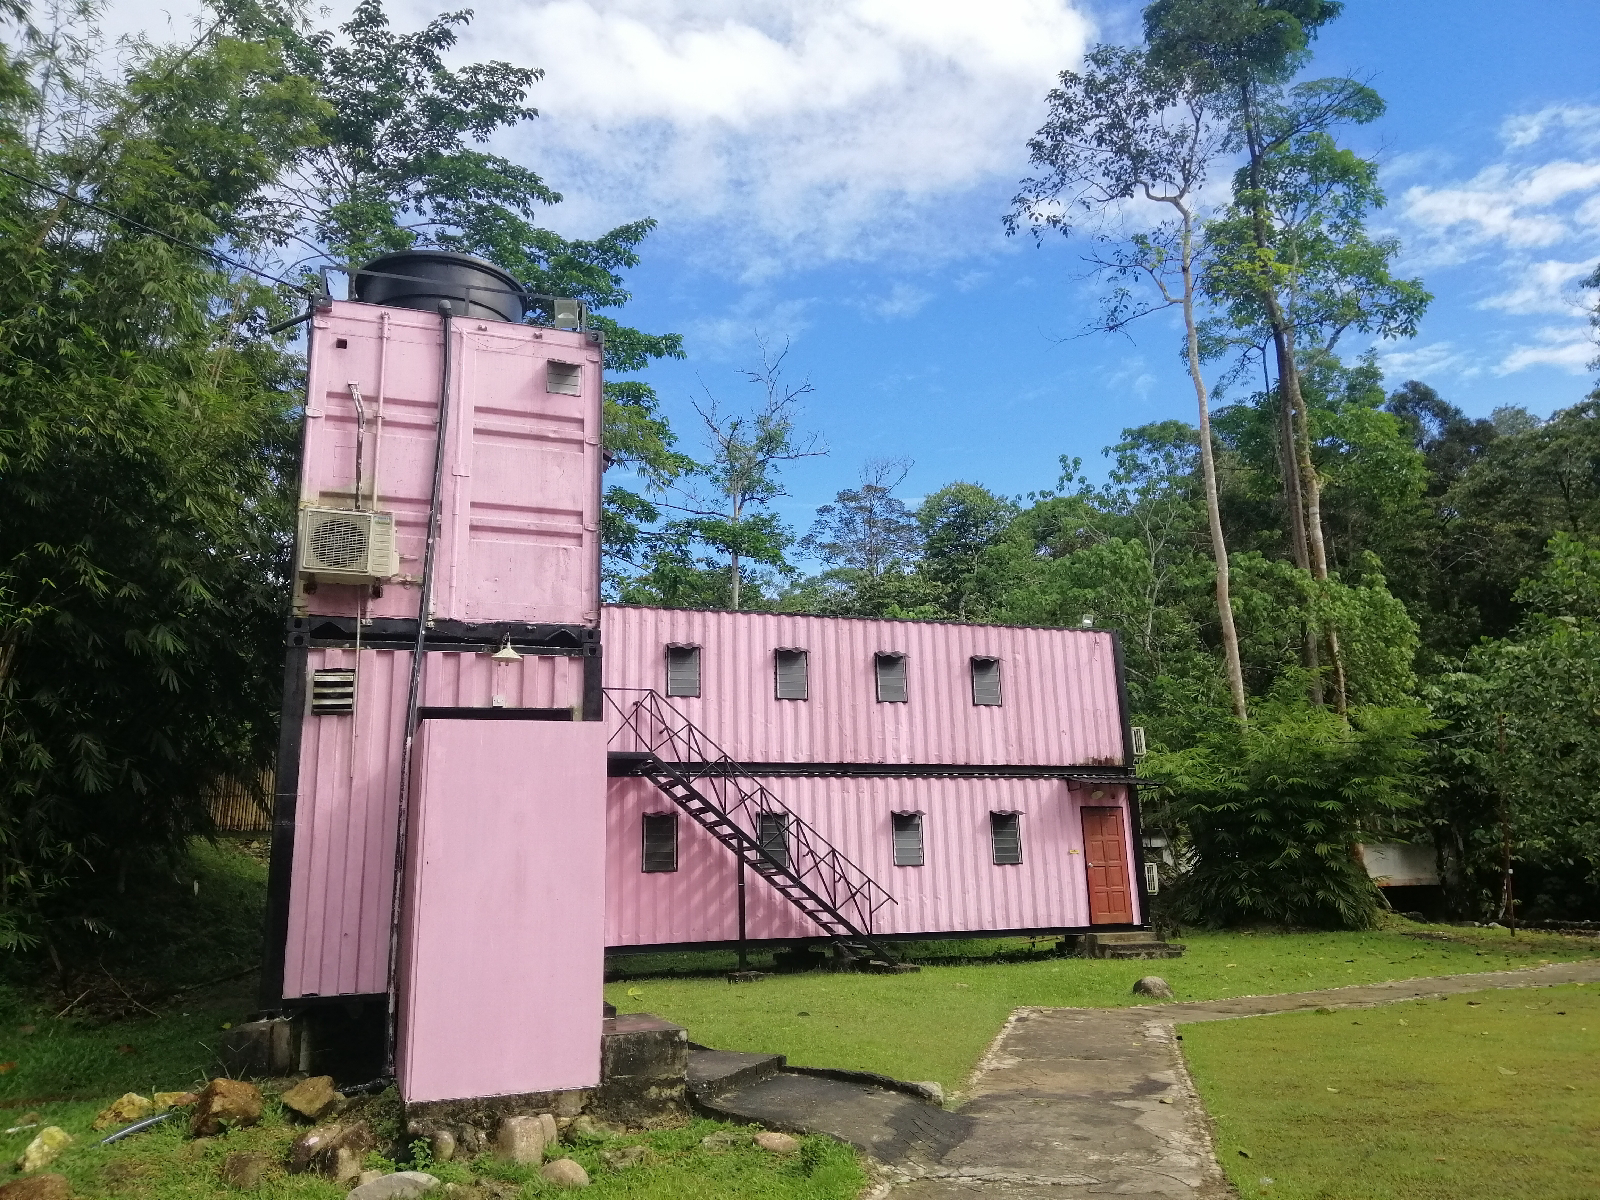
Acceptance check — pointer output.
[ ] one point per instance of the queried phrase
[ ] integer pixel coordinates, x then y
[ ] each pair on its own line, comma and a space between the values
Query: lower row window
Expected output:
660, 839
660, 842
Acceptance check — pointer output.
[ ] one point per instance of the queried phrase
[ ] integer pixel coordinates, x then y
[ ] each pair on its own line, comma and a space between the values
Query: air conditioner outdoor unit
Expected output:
341, 545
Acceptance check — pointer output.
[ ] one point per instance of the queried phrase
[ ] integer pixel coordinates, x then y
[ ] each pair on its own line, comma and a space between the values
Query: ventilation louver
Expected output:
1152, 879
563, 378
790, 671
333, 691
1137, 733
341, 545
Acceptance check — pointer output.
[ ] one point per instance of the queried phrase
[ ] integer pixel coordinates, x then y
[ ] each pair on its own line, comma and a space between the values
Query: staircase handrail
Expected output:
689, 744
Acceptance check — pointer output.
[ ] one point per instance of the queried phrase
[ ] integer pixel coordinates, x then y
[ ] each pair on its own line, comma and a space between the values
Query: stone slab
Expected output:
891, 1126
713, 1071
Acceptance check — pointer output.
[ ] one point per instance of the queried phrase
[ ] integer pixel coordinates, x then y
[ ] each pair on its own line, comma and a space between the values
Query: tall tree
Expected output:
1246, 51
145, 449
959, 522
1129, 127
400, 162
867, 534
725, 502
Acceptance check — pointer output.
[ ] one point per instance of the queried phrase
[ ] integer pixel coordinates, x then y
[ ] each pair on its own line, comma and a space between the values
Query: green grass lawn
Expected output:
936, 1024
1490, 1096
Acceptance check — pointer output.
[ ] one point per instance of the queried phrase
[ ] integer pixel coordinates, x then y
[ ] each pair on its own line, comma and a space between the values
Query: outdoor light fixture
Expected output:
568, 314
505, 653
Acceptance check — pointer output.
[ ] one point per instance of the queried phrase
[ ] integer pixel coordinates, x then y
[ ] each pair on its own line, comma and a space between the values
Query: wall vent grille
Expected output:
333, 691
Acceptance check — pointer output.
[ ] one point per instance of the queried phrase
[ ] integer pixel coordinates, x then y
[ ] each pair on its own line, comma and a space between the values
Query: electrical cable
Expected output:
140, 225
414, 692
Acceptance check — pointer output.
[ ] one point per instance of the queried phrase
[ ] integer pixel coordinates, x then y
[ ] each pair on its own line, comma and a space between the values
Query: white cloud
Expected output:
1579, 120
798, 129
1504, 204
1543, 287
1527, 220
1567, 347
902, 300
734, 336
1436, 358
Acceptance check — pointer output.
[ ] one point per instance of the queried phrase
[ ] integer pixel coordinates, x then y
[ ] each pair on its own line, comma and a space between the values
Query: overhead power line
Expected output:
140, 225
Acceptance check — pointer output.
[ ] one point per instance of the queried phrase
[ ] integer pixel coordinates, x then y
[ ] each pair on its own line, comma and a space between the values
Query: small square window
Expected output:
907, 839
683, 670
1005, 835
565, 378
985, 680
660, 852
791, 669
772, 832
891, 671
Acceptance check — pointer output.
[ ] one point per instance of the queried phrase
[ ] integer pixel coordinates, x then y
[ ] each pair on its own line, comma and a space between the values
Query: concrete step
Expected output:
1135, 950
1135, 943
713, 1072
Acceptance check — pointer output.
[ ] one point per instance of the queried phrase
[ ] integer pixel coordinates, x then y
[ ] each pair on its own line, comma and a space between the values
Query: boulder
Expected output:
38, 1187
166, 1100
624, 1157
564, 1172
1153, 986
777, 1143
127, 1108
335, 1152
587, 1129
520, 1140
313, 1098
45, 1148
931, 1090
442, 1145
225, 1104
402, 1185
244, 1171
552, 1132
723, 1139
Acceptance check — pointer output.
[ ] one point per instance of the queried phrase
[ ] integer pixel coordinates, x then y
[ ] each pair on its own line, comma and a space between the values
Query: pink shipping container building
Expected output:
476, 802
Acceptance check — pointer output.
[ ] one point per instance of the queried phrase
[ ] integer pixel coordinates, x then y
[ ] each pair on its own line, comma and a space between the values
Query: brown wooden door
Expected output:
1105, 855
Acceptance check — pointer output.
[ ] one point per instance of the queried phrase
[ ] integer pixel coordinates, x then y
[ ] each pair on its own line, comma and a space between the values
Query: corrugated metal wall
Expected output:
1059, 688
519, 532
958, 889
342, 883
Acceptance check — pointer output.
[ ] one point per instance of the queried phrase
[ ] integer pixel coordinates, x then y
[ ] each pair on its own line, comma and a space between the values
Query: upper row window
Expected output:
791, 668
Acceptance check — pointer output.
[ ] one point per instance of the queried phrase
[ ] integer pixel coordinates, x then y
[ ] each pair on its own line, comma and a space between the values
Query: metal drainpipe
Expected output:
413, 695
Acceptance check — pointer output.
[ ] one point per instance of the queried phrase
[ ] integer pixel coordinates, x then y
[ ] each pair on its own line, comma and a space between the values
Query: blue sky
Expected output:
831, 174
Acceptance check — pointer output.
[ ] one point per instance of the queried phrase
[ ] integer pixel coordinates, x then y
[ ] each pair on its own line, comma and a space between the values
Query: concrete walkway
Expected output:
1071, 1103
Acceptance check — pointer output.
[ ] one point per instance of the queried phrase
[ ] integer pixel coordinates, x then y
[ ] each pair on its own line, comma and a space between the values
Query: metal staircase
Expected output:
727, 801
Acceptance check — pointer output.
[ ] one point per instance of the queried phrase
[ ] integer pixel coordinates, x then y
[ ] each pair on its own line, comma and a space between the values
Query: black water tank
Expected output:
422, 278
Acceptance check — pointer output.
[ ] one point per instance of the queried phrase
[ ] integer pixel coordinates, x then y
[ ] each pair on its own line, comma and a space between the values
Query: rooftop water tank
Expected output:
422, 278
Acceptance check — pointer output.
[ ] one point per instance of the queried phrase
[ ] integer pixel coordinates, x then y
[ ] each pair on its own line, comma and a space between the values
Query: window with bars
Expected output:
891, 671
660, 842
791, 668
907, 839
985, 680
1005, 837
683, 670
772, 832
